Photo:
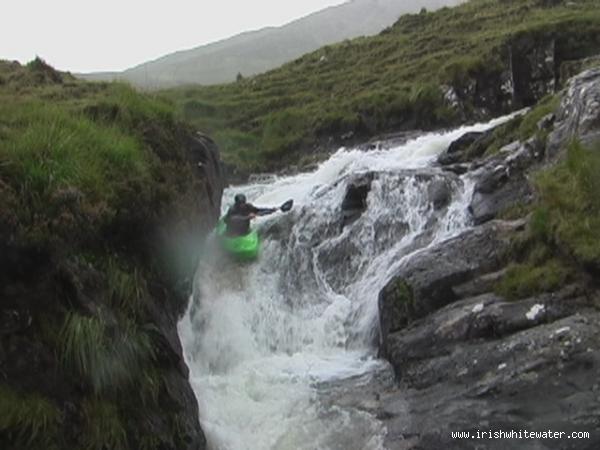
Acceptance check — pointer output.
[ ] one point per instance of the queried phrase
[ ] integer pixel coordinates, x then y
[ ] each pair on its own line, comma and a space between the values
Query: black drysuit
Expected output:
238, 218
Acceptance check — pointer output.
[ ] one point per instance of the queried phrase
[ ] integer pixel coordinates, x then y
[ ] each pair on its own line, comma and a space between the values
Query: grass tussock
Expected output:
47, 149
28, 419
110, 358
84, 159
126, 288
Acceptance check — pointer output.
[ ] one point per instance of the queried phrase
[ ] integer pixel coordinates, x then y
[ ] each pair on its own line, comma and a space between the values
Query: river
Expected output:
283, 352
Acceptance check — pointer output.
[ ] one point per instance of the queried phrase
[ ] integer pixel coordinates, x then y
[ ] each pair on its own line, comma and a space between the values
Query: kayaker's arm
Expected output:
265, 211
255, 211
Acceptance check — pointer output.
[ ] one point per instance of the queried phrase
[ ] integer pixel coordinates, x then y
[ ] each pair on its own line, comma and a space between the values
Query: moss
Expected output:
504, 135
403, 293
523, 127
525, 280
403, 300
516, 211
126, 287
528, 126
29, 420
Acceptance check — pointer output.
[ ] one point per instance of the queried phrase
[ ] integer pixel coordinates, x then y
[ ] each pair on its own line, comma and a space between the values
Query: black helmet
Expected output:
240, 198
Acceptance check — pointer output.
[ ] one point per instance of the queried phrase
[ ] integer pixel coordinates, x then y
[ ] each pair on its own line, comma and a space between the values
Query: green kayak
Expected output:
244, 248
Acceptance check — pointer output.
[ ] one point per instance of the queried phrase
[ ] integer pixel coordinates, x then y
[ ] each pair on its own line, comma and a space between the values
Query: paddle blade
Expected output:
287, 206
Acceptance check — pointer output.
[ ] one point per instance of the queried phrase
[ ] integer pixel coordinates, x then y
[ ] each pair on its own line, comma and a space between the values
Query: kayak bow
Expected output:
244, 248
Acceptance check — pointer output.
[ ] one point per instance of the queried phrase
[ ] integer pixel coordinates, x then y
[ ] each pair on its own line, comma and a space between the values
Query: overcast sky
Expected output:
106, 35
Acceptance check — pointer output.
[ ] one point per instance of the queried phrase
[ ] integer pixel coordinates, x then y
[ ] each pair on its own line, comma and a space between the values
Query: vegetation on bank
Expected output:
67, 142
378, 84
85, 171
562, 242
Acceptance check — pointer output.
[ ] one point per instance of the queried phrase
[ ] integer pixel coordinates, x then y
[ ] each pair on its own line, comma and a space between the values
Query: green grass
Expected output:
387, 82
29, 419
525, 280
86, 172
563, 237
523, 127
104, 427
84, 159
48, 149
569, 214
528, 126
109, 358
126, 288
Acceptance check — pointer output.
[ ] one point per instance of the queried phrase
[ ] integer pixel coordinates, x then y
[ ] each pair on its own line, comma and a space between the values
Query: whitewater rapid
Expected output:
282, 351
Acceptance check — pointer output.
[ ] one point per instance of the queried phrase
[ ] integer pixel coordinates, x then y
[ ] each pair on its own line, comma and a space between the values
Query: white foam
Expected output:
535, 311
261, 339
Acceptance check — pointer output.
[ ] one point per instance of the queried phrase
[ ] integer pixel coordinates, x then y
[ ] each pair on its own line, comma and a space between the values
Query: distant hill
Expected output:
477, 60
255, 52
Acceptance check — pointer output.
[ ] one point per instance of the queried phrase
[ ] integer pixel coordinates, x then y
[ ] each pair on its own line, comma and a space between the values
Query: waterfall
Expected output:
282, 352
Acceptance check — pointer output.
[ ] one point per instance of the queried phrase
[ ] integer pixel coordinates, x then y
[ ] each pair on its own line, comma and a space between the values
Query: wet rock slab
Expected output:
544, 376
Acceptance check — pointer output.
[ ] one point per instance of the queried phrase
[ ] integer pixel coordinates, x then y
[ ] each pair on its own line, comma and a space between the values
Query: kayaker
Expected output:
239, 215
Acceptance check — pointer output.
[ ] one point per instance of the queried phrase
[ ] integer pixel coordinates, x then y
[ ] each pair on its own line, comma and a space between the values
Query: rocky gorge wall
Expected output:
467, 355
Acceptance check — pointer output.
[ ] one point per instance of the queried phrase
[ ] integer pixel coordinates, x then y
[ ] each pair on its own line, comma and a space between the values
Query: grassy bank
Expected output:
67, 144
87, 171
377, 84
562, 242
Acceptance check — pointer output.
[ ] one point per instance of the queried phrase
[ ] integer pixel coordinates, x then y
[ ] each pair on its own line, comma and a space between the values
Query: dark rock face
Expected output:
468, 146
502, 181
355, 200
529, 69
533, 68
578, 114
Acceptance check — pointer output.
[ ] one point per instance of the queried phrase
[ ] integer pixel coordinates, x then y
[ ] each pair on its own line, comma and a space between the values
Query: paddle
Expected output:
287, 206
283, 208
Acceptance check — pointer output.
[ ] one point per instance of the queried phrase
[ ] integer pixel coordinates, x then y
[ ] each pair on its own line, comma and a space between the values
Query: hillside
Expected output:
255, 52
94, 178
428, 70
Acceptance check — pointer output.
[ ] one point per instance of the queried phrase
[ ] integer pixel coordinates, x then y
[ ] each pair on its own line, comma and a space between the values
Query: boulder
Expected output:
501, 182
488, 365
355, 200
426, 281
578, 115
470, 145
